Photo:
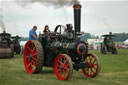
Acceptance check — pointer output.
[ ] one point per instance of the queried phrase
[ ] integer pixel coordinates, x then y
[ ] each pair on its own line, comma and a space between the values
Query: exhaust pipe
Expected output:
77, 18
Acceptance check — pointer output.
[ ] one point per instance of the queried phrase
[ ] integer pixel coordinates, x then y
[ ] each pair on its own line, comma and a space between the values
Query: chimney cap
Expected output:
77, 6
110, 33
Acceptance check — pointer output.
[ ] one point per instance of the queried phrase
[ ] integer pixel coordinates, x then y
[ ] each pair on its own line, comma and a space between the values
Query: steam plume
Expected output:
54, 3
1, 21
107, 24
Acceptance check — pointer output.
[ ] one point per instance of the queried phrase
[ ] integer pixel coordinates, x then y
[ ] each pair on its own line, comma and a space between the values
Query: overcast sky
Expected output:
98, 16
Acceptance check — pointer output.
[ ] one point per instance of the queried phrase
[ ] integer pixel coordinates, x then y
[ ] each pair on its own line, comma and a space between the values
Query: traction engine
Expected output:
8, 45
108, 45
62, 50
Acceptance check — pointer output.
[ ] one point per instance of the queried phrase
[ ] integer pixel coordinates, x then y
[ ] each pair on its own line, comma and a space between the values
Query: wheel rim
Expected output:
94, 67
62, 67
30, 57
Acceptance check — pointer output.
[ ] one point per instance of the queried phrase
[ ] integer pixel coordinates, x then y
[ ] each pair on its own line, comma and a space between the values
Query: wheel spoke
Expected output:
59, 70
67, 64
29, 65
60, 62
95, 68
64, 74
27, 56
67, 71
32, 46
95, 64
65, 61
92, 70
29, 49
94, 60
35, 54
66, 67
89, 71
34, 63
58, 65
34, 59
27, 52
91, 59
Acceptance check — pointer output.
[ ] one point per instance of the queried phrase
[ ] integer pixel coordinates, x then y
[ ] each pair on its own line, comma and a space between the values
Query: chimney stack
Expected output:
77, 18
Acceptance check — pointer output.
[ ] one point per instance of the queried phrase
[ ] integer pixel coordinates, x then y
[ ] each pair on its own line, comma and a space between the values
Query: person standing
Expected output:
46, 30
33, 34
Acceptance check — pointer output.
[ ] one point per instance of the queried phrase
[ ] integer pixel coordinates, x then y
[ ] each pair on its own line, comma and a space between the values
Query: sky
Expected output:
98, 17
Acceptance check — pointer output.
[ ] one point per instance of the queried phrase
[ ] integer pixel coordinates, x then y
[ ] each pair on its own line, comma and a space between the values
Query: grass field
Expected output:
114, 71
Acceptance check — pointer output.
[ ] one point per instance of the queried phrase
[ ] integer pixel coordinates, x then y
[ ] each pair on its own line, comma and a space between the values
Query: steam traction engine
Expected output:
62, 50
15, 41
6, 48
108, 45
8, 45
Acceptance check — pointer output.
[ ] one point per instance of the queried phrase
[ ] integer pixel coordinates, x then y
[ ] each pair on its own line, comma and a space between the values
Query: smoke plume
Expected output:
54, 3
107, 24
1, 21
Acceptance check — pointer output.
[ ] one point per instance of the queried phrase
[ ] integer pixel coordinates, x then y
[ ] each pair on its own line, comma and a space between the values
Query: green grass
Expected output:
114, 71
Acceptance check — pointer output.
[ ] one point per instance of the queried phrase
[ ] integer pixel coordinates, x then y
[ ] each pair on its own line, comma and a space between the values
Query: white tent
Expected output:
22, 43
126, 41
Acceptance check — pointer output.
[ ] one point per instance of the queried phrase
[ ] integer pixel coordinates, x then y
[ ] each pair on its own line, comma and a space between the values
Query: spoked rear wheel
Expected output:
33, 56
63, 67
94, 66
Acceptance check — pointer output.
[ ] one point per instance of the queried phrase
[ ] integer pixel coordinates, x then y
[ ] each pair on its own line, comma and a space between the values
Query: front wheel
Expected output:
114, 50
94, 66
103, 49
63, 67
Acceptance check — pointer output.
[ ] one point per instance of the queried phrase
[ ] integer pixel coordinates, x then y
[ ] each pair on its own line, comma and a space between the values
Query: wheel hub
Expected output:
91, 65
64, 66
61, 67
30, 57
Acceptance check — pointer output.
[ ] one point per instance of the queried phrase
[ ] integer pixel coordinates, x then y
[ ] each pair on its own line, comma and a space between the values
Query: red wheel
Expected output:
94, 66
63, 67
33, 56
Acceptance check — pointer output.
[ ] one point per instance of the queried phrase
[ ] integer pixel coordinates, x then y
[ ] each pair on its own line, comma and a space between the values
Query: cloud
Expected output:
19, 20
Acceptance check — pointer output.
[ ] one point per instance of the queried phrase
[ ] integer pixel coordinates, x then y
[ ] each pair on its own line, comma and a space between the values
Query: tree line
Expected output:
119, 37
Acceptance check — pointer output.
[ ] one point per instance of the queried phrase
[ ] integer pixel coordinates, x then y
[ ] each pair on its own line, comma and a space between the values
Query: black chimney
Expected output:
77, 18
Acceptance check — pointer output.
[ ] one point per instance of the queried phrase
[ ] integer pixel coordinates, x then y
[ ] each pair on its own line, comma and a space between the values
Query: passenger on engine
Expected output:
46, 30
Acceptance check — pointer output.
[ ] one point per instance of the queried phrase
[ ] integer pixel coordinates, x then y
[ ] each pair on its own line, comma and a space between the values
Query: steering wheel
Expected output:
59, 27
56, 34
